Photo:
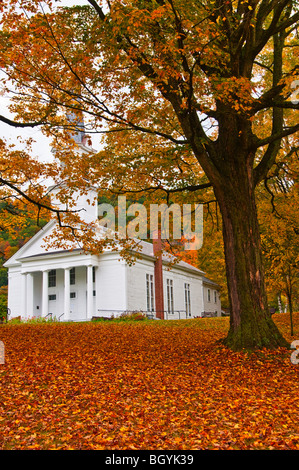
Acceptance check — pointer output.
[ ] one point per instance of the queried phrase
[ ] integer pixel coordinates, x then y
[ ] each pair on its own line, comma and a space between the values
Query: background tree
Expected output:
278, 210
176, 88
210, 258
19, 222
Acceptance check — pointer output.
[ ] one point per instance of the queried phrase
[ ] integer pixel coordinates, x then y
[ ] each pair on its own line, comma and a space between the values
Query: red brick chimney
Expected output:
159, 298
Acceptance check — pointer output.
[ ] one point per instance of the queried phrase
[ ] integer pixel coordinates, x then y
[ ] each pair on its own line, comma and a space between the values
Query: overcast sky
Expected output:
11, 134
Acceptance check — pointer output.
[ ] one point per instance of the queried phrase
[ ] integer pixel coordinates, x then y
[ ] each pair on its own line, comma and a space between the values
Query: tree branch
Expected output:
39, 204
265, 101
98, 9
263, 36
278, 131
278, 136
273, 141
285, 104
195, 187
21, 124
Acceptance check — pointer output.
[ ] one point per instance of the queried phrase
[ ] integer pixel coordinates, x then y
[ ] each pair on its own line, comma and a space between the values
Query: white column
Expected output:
23, 311
98, 291
67, 291
89, 309
30, 295
202, 299
126, 286
45, 297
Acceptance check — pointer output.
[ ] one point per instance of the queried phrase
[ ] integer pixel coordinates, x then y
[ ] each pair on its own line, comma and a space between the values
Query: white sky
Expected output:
11, 134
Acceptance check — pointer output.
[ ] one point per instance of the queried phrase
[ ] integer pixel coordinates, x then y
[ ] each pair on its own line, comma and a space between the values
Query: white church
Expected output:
72, 285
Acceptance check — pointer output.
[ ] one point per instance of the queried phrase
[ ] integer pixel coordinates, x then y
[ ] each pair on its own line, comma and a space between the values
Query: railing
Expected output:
149, 314
209, 314
103, 314
8, 312
176, 313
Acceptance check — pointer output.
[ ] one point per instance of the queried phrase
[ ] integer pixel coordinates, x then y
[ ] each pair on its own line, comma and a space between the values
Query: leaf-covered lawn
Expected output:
144, 385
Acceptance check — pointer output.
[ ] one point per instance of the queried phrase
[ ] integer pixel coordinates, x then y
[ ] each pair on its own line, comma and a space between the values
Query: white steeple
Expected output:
86, 203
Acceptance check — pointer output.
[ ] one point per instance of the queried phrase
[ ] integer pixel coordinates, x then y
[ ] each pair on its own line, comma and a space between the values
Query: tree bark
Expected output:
251, 325
290, 301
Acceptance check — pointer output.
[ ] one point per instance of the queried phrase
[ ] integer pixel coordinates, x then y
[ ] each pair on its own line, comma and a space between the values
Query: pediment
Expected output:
35, 246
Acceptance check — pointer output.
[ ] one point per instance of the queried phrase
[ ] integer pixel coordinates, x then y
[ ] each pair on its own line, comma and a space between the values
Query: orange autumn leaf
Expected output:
144, 385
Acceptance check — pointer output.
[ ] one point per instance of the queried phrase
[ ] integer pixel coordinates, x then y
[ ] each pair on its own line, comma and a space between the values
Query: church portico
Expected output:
65, 291
72, 285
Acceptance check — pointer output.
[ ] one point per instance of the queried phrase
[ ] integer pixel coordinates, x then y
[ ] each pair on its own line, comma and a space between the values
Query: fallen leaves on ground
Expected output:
148, 385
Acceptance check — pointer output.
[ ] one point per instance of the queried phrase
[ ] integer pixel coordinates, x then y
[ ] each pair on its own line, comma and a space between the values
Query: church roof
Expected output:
146, 250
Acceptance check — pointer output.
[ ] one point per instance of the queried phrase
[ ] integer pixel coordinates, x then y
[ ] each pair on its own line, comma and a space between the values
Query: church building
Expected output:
72, 285
75, 286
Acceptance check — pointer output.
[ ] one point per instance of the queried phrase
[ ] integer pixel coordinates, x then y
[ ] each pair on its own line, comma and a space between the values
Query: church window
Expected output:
169, 285
187, 300
52, 278
73, 276
150, 293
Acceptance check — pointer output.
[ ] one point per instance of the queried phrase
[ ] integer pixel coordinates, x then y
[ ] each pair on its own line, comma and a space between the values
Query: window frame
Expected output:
52, 278
73, 276
169, 296
187, 299
150, 298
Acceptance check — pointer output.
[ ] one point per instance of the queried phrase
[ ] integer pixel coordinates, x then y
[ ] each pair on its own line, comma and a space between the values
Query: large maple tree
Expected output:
175, 88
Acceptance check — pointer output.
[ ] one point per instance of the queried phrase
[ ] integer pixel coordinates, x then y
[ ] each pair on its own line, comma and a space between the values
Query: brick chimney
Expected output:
159, 297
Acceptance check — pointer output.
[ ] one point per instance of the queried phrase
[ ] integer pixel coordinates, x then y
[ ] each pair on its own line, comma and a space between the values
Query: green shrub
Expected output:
133, 316
3, 308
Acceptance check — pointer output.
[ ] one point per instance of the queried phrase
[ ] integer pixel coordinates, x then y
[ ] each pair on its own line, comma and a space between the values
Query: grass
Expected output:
144, 385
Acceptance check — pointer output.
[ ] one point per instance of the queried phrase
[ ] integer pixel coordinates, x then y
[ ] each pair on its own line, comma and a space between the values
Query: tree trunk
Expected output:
251, 325
290, 301
279, 303
291, 318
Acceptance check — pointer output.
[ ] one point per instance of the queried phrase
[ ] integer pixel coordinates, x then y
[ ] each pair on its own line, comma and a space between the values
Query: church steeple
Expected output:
87, 203
77, 131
